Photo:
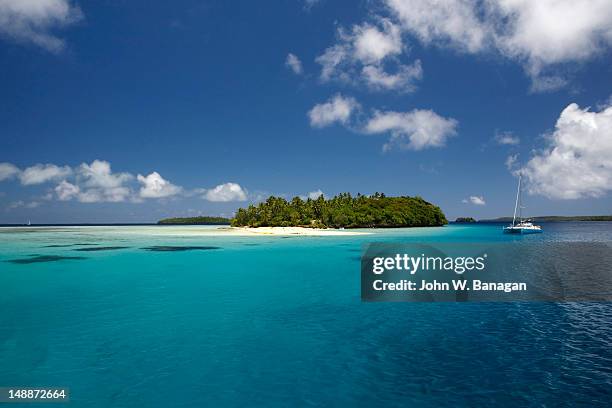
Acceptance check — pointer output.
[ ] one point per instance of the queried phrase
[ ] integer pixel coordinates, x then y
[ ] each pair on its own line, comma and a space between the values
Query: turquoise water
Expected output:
275, 321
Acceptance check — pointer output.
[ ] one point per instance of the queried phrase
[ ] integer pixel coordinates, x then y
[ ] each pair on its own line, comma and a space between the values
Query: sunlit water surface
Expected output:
164, 317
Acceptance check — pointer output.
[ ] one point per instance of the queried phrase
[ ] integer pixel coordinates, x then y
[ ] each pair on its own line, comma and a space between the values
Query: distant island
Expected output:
464, 220
195, 221
341, 211
557, 218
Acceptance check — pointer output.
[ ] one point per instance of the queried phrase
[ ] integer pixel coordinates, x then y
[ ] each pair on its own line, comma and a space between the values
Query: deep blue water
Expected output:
273, 321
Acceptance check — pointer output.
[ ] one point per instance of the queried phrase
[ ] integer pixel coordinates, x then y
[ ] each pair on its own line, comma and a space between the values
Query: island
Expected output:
557, 218
461, 220
341, 211
202, 220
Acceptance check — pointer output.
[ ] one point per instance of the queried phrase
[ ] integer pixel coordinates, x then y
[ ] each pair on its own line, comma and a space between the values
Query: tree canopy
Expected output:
341, 211
465, 219
203, 220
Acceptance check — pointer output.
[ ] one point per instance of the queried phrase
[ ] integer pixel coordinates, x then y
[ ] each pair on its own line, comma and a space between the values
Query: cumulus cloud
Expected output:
226, 192
293, 62
336, 109
42, 173
112, 195
33, 21
538, 34
507, 138
476, 200
313, 195
8, 171
372, 45
362, 54
403, 79
98, 183
99, 174
66, 191
155, 186
414, 130
452, 22
577, 161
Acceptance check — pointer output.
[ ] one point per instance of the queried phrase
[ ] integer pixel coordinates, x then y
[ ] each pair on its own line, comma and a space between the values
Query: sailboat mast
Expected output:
518, 191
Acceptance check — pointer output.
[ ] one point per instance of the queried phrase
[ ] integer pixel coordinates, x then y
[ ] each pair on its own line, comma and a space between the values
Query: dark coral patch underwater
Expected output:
95, 249
65, 245
44, 258
166, 248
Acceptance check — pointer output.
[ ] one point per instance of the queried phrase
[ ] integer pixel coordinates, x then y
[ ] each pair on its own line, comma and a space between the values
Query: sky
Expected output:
132, 111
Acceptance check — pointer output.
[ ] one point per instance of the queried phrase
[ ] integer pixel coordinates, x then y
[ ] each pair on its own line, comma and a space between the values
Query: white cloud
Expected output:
548, 32
336, 109
372, 45
507, 138
226, 192
511, 161
403, 79
308, 4
32, 21
99, 174
15, 204
538, 34
476, 200
23, 204
541, 83
8, 171
313, 195
331, 59
360, 55
414, 130
155, 186
66, 191
577, 162
95, 182
448, 22
42, 173
99, 184
294, 63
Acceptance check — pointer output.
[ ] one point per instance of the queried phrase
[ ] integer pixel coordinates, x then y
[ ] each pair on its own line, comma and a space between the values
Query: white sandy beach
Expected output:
194, 230
291, 231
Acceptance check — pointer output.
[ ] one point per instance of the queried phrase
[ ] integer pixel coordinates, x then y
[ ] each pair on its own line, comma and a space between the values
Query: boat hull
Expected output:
522, 231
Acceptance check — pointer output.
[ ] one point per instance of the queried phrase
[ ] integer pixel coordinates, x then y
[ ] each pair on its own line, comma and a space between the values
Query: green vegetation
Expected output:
342, 211
195, 221
465, 219
558, 218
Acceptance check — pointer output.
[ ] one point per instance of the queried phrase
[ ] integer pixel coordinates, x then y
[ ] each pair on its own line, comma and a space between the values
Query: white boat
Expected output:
522, 226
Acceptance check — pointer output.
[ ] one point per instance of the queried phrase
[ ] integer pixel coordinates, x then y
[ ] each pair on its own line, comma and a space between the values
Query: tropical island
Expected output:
202, 220
341, 211
461, 220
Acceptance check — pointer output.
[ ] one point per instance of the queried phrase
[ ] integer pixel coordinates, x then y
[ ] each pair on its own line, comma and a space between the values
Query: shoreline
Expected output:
249, 231
197, 230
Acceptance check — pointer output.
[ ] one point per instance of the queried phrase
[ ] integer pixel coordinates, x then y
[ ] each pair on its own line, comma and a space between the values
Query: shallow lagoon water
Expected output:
275, 321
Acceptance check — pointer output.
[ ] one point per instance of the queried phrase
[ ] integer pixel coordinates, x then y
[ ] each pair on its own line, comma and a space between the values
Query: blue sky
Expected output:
130, 111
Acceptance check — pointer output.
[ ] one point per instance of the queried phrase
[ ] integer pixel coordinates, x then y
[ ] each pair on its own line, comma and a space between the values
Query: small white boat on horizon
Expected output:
522, 226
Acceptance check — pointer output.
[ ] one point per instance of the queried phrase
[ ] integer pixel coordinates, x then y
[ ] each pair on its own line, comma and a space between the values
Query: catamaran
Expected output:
523, 226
